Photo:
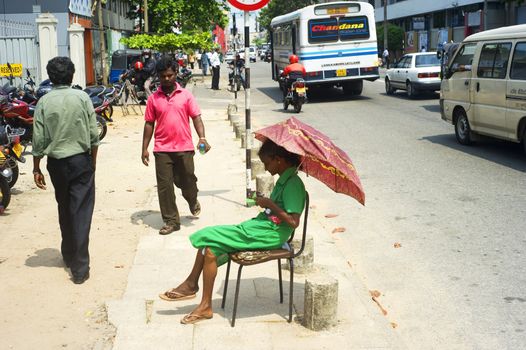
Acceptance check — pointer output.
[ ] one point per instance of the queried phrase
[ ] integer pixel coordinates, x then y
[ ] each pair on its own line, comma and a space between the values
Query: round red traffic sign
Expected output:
248, 5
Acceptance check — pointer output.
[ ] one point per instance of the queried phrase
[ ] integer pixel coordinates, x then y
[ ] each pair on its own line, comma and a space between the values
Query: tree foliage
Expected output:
185, 15
170, 42
395, 37
279, 7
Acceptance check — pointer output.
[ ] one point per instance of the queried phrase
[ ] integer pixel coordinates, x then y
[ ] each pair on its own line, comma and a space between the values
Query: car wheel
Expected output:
462, 129
411, 91
388, 87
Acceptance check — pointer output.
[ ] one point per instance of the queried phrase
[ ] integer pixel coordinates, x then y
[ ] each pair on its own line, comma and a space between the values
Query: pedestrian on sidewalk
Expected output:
269, 230
216, 64
168, 113
205, 62
385, 56
65, 130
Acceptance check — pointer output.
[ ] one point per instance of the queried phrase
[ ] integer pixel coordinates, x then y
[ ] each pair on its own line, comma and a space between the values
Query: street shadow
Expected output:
435, 108
151, 218
47, 257
401, 94
501, 152
217, 193
273, 92
314, 95
257, 297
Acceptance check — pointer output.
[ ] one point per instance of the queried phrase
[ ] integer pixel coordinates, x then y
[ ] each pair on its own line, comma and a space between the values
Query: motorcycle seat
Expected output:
94, 90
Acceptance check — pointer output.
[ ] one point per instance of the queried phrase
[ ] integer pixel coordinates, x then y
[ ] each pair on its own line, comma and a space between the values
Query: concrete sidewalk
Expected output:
144, 321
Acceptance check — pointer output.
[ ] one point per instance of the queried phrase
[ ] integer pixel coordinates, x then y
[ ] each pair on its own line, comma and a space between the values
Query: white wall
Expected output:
417, 7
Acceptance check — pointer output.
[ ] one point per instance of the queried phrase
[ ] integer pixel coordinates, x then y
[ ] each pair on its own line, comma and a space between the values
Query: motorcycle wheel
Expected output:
5, 194
238, 85
101, 126
15, 170
285, 104
297, 107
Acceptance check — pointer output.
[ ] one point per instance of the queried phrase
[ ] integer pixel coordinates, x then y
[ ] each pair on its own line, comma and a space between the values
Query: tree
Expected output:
170, 42
279, 7
194, 15
395, 37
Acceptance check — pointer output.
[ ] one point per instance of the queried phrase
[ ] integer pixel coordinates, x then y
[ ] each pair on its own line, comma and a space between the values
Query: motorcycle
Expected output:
184, 76
18, 115
235, 77
296, 94
268, 56
12, 151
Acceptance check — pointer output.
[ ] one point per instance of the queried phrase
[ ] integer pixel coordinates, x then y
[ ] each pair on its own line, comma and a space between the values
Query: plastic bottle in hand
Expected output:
202, 148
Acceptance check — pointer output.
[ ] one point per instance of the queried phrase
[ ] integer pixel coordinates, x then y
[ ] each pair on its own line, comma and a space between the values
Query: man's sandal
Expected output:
192, 318
173, 295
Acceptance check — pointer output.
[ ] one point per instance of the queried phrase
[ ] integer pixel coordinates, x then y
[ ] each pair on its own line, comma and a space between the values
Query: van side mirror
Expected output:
439, 54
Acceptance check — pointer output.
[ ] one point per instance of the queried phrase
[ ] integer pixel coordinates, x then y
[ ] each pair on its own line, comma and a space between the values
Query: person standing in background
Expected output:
205, 61
215, 62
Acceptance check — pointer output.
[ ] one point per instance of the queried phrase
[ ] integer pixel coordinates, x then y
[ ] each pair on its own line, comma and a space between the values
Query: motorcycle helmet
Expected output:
138, 65
293, 59
146, 53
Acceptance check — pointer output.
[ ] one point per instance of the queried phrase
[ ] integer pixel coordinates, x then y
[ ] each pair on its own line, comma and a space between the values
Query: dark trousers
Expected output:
215, 78
175, 168
74, 181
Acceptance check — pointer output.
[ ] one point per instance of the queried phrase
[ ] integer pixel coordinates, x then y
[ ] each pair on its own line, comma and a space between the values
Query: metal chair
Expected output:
254, 257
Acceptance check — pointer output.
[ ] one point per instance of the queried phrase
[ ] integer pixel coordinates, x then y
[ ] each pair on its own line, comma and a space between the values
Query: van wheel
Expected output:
462, 129
411, 91
388, 87
524, 140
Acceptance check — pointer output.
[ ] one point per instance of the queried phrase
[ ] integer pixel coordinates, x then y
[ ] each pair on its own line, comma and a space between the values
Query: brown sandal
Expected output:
173, 295
167, 229
192, 318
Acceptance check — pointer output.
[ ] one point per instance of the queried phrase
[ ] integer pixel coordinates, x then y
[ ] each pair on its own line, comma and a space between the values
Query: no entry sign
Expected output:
248, 5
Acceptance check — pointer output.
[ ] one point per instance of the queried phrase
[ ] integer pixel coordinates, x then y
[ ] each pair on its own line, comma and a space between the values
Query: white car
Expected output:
252, 54
414, 72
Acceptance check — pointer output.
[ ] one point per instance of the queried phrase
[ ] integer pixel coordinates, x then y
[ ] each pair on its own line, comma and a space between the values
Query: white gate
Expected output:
18, 45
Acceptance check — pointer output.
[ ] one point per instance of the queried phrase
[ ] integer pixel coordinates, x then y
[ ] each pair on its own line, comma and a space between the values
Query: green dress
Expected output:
259, 232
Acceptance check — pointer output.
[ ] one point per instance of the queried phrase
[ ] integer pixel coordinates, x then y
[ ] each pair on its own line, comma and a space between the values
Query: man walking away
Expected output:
168, 113
216, 63
205, 62
65, 130
385, 56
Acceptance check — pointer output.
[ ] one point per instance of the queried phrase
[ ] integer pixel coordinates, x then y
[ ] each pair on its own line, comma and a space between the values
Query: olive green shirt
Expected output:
64, 124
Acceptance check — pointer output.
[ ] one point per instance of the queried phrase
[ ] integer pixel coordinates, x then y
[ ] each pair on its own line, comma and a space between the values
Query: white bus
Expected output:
336, 42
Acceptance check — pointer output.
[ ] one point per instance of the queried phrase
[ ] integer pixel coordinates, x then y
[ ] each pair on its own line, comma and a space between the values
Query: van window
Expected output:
493, 61
518, 64
464, 55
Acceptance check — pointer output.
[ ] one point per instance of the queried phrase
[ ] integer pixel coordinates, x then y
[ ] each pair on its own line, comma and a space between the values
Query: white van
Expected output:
484, 86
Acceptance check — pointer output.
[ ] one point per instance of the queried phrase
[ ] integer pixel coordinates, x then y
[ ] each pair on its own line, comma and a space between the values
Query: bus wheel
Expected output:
353, 88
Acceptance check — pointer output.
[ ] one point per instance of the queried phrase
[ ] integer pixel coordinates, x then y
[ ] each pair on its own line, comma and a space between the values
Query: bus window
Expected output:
323, 30
352, 28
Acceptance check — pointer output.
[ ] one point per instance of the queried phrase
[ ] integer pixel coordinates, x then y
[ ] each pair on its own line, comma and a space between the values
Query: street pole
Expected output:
102, 43
146, 29
234, 30
385, 24
248, 133
485, 14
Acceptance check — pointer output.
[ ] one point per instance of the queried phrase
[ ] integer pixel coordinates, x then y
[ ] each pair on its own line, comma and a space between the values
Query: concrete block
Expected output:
257, 167
321, 302
265, 184
243, 140
239, 129
254, 153
234, 117
305, 262
232, 108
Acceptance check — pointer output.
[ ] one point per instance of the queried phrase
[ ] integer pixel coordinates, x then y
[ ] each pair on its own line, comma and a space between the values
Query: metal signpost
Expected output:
247, 6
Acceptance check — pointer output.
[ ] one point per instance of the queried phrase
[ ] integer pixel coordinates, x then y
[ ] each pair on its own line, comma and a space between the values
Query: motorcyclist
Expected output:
137, 75
292, 72
238, 63
149, 70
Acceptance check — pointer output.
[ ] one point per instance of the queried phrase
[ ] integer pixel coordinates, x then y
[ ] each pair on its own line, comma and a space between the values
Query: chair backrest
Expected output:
305, 221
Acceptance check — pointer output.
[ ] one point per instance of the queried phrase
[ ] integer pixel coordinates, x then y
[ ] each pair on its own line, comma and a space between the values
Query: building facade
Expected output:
428, 24
68, 12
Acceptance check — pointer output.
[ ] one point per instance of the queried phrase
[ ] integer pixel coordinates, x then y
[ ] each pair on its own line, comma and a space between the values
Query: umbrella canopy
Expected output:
322, 159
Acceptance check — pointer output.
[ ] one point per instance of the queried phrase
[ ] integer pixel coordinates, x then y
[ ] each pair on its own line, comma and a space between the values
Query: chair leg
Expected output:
236, 295
226, 284
291, 290
280, 282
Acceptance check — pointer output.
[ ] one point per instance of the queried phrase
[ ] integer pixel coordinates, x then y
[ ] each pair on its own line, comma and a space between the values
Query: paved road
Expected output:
458, 279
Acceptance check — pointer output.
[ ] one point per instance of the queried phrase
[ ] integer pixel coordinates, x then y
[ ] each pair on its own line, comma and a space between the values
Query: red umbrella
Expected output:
322, 159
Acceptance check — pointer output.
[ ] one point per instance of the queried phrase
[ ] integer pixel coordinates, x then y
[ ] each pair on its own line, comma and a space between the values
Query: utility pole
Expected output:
485, 18
146, 29
385, 24
102, 43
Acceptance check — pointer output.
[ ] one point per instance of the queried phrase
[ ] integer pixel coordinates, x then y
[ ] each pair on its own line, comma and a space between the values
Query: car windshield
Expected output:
427, 60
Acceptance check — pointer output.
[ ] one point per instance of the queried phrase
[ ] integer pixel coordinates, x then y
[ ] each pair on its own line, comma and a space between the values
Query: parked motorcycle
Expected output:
18, 115
296, 94
184, 76
12, 151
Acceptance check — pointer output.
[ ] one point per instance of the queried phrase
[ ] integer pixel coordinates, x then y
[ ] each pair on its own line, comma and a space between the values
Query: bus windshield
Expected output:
334, 29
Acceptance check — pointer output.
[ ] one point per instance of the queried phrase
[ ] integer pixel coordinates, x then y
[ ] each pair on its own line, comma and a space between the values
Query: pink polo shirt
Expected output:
171, 115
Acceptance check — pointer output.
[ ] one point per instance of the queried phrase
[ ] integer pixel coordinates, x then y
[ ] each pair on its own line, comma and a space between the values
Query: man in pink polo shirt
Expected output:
168, 112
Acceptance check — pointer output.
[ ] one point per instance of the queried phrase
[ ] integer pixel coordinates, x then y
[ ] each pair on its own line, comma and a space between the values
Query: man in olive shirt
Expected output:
65, 130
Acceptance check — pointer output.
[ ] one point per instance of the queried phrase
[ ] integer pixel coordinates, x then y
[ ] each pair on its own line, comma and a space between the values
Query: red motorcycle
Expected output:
18, 115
